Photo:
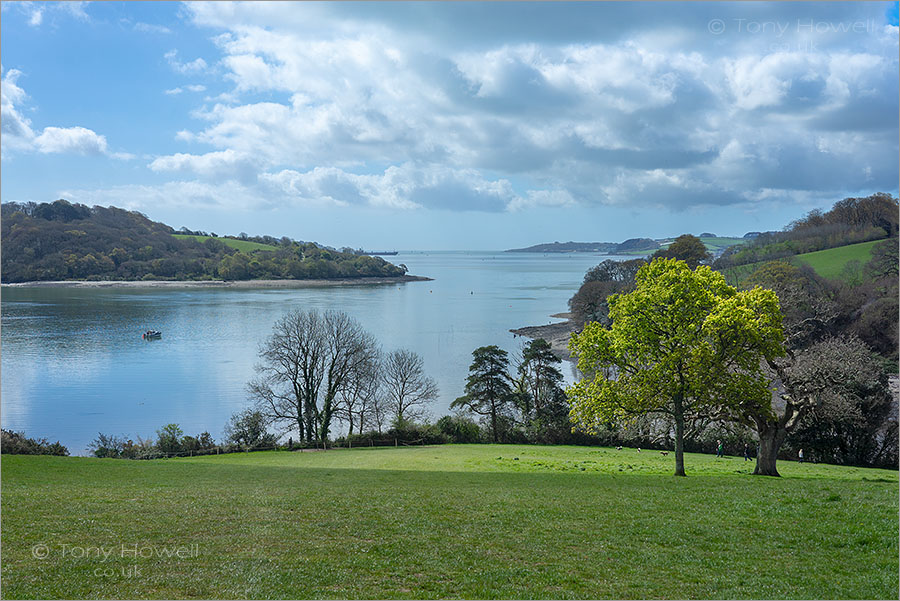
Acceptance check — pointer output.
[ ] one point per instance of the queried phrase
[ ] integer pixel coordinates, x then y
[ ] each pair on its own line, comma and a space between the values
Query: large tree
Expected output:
308, 359
489, 391
541, 398
407, 389
683, 344
825, 380
539, 377
358, 397
828, 380
602, 280
687, 248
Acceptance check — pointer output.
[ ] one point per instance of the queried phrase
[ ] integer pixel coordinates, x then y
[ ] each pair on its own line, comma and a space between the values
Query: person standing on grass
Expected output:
801, 455
746, 452
720, 450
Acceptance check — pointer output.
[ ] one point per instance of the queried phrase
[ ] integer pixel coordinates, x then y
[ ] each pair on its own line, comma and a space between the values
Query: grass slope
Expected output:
241, 245
830, 263
717, 244
827, 263
479, 521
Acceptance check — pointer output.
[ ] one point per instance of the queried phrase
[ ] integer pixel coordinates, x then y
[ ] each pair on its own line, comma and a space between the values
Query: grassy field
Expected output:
468, 521
827, 263
241, 245
717, 244
831, 262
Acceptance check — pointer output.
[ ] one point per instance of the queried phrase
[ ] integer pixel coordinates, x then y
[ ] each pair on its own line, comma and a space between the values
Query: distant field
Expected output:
831, 262
241, 245
712, 244
470, 521
716, 244
827, 263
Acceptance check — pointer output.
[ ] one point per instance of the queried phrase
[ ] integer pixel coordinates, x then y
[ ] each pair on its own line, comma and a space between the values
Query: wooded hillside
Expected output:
65, 241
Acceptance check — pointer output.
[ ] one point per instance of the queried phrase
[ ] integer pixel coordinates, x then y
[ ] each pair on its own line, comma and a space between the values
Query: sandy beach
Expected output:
222, 283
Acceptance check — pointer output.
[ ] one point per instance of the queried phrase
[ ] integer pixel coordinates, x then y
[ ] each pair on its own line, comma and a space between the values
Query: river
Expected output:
74, 363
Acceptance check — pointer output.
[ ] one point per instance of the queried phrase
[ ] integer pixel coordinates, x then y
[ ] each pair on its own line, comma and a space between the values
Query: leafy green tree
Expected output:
683, 344
538, 376
168, 438
687, 248
489, 390
247, 429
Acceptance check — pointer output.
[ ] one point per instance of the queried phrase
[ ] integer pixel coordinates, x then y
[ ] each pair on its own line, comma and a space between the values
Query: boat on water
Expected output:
387, 253
151, 334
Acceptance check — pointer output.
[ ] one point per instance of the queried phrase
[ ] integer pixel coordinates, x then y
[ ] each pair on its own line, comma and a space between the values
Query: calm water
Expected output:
74, 363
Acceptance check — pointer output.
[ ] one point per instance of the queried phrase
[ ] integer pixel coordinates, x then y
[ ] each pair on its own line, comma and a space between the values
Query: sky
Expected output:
449, 126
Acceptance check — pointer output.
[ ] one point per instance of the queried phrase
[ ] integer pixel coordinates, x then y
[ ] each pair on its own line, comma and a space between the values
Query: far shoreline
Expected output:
239, 284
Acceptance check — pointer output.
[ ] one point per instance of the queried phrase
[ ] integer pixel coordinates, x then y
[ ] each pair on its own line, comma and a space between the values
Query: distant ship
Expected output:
389, 253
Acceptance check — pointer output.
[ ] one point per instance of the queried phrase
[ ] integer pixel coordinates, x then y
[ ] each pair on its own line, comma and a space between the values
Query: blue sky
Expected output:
451, 125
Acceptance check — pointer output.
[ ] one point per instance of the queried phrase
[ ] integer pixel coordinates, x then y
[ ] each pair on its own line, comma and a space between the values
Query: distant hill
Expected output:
632, 246
65, 241
609, 248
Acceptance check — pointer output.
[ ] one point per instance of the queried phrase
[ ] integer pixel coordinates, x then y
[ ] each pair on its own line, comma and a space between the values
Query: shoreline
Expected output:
366, 281
557, 334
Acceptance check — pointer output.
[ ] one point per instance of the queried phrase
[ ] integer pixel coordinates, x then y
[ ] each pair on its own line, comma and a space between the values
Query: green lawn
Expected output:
479, 521
241, 245
831, 262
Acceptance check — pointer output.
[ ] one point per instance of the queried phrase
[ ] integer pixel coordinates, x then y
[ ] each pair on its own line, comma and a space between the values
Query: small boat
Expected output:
151, 334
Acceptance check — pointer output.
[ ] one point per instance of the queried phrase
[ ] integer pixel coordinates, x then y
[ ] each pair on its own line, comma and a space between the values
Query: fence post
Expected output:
395, 442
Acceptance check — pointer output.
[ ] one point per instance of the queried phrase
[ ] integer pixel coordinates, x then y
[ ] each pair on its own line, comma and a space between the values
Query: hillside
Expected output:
830, 263
241, 245
64, 241
849, 221
632, 246
449, 521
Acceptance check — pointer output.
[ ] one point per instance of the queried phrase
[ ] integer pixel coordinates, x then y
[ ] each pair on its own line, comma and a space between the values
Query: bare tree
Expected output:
833, 367
357, 397
309, 358
379, 411
406, 387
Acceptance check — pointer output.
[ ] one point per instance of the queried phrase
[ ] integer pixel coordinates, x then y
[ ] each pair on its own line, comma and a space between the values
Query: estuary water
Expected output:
74, 363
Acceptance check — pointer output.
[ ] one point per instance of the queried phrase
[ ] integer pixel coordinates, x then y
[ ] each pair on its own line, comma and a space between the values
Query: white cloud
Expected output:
75, 8
37, 16
151, 28
226, 164
77, 140
18, 134
16, 128
190, 88
197, 65
384, 109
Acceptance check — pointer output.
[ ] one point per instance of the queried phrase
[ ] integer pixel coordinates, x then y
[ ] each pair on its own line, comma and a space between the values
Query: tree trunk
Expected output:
771, 436
679, 436
494, 421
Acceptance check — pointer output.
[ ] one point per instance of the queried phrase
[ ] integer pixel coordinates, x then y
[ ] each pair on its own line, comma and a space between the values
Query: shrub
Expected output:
460, 430
15, 443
